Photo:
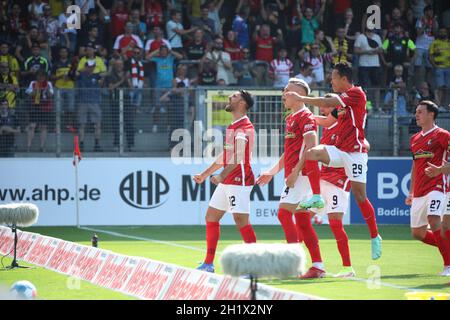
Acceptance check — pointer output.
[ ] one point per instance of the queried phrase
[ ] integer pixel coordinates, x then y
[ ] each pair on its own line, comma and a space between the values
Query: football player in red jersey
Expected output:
300, 136
428, 194
350, 151
236, 180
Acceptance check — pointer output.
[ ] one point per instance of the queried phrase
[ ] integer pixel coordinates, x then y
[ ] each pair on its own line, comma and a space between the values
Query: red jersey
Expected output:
264, 49
334, 176
242, 175
352, 120
431, 146
298, 125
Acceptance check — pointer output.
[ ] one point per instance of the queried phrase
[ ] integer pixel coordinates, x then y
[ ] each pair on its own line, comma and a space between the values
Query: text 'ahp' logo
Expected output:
144, 189
74, 20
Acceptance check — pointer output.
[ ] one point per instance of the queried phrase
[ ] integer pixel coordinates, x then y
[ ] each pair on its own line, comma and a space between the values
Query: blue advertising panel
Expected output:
388, 182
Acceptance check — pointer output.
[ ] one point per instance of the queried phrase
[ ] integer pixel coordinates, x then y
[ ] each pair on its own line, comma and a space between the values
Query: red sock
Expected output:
369, 215
300, 236
313, 173
429, 239
248, 234
303, 221
342, 241
212, 237
285, 217
444, 249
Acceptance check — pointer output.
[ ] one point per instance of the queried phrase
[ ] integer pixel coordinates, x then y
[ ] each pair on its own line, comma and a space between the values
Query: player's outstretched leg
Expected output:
288, 225
213, 217
341, 237
303, 220
312, 156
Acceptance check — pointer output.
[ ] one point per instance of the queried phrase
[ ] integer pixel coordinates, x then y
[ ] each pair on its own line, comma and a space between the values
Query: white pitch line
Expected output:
122, 235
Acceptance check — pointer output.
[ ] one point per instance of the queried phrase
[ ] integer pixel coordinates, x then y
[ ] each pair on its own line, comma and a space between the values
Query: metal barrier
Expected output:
140, 122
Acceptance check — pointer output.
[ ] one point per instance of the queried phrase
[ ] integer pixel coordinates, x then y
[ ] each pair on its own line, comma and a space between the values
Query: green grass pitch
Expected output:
406, 264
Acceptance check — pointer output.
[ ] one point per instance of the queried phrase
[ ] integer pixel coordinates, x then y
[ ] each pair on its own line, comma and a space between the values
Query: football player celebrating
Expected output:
236, 180
427, 195
350, 151
300, 136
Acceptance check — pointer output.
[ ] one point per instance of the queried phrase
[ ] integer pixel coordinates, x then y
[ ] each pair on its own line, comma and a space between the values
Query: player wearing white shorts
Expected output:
300, 135
427, 196
235, 182
350, 151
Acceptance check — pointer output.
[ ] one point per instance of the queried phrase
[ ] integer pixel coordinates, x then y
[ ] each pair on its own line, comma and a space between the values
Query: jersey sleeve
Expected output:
350, 98
309, 126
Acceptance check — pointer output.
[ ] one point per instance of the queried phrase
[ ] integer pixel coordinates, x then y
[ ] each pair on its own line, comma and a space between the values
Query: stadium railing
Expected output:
141, 122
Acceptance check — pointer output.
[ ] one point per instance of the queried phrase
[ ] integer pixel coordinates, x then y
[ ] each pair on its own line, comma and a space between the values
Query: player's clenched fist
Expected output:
264, 178
408, 200
199, 178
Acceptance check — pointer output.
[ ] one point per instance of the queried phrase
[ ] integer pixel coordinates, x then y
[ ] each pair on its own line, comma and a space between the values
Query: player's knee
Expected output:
311, 154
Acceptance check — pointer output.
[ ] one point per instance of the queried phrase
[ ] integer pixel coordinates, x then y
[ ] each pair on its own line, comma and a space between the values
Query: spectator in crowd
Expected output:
92, 38
137, 77
309, 23
222, 60
317, 62
99, 65
398, 50
293, 29
9, 86
49, 26
119, 17
17, 25
35, 10
351, 28
125, 43
33, 64
207, 72
394, 19
194, 8
40, 110
423, 92
89, 82
138, 28
196, 48
93, 20
63, 76
368, 47
175, 31
398, 83
276, 23
8, 129
281, 69
23, 49
214, 7
426, 28
164, 60
325, 43
9, 59
440, 60
306, 74
157, 41
264, 50
244, 70
152, 11
85, 5
339, 11
68, 36
341, 45
240, 26
205, 23
232, 47
118, 78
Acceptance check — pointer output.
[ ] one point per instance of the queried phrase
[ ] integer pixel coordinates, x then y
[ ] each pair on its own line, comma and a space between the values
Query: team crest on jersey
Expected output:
237, 179
423, 154
289, 135
333, 136
430, 142
340, 181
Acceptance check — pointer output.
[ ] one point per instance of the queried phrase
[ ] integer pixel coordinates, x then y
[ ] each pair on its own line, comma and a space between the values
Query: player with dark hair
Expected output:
236, 180
300, 136
350, 151
427, 196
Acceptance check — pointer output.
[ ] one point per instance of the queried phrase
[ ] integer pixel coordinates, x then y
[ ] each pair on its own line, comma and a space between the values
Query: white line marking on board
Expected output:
122, 235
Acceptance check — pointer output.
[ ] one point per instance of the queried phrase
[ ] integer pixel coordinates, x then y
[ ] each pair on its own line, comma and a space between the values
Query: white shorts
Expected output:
232, 198
431, 204
300, 192
336, 199
354, 163
447, 207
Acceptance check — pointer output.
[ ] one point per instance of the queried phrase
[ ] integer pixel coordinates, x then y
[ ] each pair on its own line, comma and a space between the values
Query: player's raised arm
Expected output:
216, 165
326, 102
265, 177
